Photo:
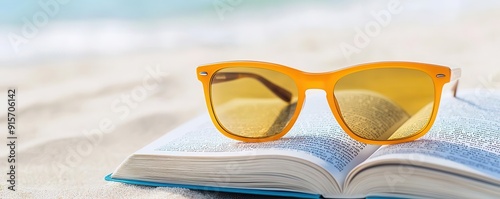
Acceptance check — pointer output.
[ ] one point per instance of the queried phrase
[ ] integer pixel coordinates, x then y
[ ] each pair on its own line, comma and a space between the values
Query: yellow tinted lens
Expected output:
253, 102
386, 103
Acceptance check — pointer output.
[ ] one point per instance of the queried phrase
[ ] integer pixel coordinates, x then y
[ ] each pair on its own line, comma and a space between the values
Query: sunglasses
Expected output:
374, 103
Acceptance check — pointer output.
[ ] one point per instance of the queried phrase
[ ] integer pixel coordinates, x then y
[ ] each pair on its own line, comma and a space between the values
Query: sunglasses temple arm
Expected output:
455, 75
277, 90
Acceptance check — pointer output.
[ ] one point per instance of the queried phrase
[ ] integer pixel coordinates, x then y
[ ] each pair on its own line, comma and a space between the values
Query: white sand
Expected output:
61, 99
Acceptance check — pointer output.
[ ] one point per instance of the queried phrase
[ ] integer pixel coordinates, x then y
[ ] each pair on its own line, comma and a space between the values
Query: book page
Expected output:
369, 114
316, 137
416, 123
465, 136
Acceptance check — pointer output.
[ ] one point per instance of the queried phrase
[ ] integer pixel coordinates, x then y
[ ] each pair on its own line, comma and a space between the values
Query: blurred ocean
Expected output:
44, 30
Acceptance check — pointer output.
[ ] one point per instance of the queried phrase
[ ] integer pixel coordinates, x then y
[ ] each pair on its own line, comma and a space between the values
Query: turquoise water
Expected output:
31, 30
81, 28
11, 12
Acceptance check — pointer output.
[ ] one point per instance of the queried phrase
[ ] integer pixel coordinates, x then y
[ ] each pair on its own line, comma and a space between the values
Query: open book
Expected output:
459, 157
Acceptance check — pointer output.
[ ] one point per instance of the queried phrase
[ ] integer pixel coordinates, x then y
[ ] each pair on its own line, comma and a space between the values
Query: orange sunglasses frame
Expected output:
326, 81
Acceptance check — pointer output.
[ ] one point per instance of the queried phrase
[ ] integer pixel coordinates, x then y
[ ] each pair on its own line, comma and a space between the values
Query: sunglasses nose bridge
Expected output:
315, 81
